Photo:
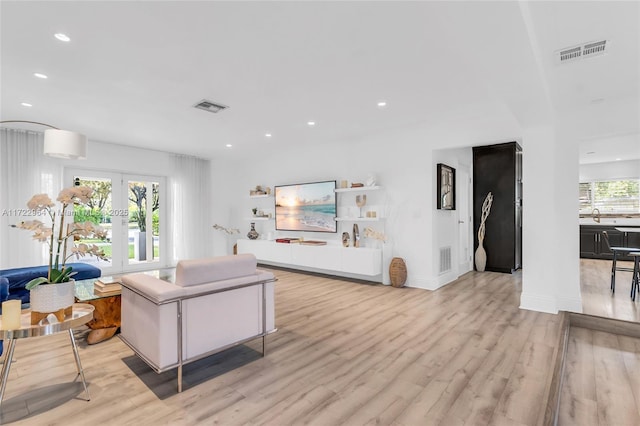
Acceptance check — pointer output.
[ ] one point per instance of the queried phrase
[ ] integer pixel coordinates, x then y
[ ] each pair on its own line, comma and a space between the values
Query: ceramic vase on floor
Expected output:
481, 258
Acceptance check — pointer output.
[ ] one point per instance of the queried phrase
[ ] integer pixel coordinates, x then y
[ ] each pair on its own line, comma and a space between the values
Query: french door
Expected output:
131, 209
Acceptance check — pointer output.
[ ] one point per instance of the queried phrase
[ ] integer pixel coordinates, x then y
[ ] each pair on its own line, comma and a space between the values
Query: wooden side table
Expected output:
107, 315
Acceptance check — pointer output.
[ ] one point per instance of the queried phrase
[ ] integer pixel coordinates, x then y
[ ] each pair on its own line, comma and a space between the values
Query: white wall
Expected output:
405, 165
611, 170
550, 278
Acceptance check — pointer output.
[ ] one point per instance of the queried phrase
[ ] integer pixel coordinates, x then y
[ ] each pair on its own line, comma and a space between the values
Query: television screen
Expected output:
306, 207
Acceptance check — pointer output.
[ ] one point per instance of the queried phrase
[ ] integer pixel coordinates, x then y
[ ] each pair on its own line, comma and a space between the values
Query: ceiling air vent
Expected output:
210, 106
585, 50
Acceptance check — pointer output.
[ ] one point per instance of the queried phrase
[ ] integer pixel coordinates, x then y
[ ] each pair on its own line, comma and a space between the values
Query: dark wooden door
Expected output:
497, 169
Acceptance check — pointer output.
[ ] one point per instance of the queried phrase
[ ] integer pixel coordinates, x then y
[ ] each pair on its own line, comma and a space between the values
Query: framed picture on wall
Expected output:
446, 187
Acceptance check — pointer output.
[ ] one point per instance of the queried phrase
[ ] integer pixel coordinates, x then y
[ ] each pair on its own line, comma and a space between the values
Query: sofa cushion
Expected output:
19, 277
200, 271
156, 289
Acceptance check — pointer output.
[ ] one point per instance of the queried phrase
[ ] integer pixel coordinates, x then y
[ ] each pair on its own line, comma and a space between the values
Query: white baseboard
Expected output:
538, 303
569, 305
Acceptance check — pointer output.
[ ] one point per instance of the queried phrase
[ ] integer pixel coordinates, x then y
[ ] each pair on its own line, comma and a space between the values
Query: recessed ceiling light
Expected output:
311, 123
39, 75
62, 37
228, 145
618, 159
268, 135
26, 104
382, 104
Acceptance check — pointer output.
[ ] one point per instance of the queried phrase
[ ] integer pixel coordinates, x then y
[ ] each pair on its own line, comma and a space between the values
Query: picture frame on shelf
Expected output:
446, 187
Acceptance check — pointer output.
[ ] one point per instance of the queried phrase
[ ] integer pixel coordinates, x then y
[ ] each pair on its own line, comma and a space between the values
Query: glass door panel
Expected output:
143, 228
102, 209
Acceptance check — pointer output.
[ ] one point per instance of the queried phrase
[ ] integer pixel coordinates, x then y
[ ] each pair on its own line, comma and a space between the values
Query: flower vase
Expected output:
480, 257
54, 299
253, 234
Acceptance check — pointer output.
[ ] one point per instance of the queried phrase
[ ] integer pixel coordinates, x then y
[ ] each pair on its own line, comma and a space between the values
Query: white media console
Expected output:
334, 259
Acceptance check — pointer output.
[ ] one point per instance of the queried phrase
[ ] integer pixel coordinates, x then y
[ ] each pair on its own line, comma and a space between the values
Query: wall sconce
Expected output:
60, 143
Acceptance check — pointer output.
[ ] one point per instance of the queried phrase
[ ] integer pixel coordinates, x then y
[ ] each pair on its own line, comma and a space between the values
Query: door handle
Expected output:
461, 221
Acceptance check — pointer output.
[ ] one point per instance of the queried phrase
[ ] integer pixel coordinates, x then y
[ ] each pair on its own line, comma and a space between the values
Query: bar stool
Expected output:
635, 281
617, 251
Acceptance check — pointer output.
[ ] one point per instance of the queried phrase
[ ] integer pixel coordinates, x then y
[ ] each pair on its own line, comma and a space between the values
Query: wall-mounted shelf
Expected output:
358, 219
259, 218
358, 189
261, 196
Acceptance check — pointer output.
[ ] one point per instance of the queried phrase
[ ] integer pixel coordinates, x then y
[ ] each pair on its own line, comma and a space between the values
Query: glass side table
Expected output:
81, 314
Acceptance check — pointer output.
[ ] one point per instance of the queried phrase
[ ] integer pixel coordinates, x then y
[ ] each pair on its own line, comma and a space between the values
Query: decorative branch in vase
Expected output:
481, 254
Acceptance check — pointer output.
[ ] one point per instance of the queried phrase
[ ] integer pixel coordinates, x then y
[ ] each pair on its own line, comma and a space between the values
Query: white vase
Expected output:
52, 297
480, 258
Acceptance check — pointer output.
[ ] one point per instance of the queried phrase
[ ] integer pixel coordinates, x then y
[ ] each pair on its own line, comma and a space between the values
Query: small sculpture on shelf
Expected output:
356, 235
345, 239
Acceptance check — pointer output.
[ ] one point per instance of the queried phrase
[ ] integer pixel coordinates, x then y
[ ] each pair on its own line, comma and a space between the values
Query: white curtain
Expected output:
189, 208
24, 172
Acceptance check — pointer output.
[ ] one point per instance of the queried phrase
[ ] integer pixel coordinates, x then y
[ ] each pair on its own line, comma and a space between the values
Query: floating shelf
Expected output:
358, 219
358, 189
261, 196
257, 219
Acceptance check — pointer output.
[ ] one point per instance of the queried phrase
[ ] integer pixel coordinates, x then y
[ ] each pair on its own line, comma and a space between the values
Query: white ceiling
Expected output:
133, 70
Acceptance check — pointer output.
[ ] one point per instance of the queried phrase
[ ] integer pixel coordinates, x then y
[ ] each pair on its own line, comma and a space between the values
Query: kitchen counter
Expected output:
606, 221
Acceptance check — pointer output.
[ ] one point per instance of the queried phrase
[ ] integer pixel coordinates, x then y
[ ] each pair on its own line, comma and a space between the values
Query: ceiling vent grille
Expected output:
210, 106
585, 50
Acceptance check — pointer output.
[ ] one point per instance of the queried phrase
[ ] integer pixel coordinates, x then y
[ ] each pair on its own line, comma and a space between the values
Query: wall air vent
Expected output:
445, 259
585, 50
210, 106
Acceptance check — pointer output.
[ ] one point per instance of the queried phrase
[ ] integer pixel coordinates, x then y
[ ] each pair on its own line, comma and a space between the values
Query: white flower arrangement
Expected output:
41, 204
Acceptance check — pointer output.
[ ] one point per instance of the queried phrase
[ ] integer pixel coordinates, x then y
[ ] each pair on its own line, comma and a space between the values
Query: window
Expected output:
610, 196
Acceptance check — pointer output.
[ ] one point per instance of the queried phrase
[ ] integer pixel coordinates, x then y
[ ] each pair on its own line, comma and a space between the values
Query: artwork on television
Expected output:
306, 207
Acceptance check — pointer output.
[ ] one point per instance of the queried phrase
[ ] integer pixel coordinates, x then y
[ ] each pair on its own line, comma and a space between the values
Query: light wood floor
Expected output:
345, 353
597, 299
601, 383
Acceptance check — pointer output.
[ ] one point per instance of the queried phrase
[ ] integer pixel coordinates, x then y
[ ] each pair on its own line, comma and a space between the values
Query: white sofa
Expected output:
214, 304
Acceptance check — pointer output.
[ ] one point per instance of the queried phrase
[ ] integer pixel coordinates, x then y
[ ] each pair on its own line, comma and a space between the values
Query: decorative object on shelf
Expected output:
446, 187
253, 234
481, 254
361, 201
371, 180
227, 231
357, 185
344, 184
254, 210
345, 239
59, 237
356, 235
372, 214
398, 272
259, 191
267, 191
376, 235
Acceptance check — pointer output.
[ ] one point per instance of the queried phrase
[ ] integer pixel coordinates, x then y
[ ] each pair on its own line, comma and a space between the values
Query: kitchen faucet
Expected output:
596, 218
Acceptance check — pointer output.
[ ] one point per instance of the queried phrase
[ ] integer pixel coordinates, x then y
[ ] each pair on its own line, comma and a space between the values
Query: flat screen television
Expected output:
306, 207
